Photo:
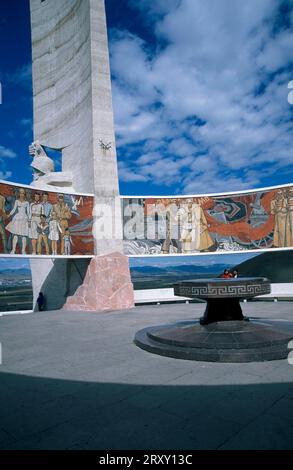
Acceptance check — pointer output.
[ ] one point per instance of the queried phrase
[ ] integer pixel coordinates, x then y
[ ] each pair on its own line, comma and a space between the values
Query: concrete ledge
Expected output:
16, 312
284, 290
156, 295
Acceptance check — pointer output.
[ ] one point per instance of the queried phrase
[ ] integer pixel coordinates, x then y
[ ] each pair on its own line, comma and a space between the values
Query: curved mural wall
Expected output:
254, 220
35, 222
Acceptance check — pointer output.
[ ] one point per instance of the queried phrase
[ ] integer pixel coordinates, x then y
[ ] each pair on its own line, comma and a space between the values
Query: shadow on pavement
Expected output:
41, 413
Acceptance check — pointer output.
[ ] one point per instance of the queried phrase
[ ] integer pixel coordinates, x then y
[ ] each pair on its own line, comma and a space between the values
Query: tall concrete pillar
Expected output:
72, 103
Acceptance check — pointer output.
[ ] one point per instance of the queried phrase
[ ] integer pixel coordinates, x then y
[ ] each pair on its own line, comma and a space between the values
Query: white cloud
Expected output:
206, 104
128, 175
277, 52
6, 152
4, 175
22, 76
26, 122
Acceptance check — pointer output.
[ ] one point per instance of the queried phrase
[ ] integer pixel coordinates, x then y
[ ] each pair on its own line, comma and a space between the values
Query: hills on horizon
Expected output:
154, 277
184, 268
275, 265
15, 271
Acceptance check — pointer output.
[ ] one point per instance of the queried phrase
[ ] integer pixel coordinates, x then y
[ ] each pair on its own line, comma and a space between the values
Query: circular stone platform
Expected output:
224, 341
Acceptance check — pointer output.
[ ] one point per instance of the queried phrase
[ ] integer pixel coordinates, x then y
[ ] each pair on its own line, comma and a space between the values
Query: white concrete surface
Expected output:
156, 295
16, 312
72, 103
73, 100
76, 380
280, 290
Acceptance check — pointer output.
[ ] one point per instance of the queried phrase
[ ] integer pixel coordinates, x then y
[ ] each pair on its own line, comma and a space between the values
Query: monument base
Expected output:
224, 341
57, 279
222, 310
107, 286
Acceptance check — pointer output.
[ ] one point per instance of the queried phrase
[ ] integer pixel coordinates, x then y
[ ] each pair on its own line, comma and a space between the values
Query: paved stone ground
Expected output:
73, 380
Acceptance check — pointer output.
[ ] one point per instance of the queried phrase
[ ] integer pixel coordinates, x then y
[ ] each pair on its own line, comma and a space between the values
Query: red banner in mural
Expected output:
261, 219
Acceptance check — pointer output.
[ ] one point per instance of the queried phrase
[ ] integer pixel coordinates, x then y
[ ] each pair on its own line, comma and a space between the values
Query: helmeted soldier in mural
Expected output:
63, 216
168, 210
194, 227
290, 210
282, 229
43, 232
46, 206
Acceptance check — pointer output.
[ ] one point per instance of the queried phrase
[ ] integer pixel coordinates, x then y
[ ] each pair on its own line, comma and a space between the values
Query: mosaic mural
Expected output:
34, 222
256, 220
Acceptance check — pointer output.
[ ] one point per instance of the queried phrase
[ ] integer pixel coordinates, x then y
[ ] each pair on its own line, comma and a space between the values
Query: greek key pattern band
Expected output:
206, 291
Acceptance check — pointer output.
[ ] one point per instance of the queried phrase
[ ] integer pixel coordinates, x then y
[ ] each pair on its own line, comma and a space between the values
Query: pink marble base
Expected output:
107, 285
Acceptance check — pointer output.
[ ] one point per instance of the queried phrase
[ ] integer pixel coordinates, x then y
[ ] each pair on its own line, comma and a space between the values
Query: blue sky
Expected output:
199, 92
201, 101
199, 88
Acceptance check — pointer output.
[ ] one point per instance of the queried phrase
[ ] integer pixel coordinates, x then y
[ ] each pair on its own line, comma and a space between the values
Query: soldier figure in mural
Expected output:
169, 209
43, 232
170, 245
63, 213
2, 226
35, 222
282, 229
290, 210
46, 206
19, 225
194, 227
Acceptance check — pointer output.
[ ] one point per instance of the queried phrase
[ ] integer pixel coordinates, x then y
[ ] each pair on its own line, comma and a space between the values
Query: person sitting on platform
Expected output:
226, 274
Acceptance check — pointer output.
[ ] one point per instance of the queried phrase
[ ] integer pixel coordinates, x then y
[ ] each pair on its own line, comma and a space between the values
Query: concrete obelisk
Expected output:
73, 112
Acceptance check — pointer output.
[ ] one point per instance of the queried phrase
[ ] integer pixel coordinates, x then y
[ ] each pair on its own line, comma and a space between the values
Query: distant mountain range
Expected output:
16, 272
275, 265
154, 277
143, 271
